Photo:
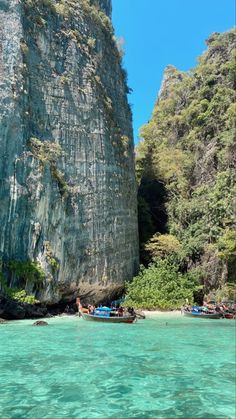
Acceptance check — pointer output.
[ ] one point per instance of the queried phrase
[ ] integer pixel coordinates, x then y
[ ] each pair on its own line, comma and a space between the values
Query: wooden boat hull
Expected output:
229, 315
202, 315
124, 319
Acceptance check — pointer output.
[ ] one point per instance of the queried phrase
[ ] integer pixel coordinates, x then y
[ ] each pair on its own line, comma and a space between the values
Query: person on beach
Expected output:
120, 312
131, 311
92, 309
78, 303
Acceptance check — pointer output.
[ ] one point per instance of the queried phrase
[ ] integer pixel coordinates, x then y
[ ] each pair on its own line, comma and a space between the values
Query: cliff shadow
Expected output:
152, 214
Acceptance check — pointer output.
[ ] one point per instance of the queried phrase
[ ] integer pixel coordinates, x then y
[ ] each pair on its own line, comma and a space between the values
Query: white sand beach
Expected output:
159, 313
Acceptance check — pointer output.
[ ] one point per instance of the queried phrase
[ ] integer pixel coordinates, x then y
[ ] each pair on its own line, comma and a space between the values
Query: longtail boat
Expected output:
105, 315
199, 313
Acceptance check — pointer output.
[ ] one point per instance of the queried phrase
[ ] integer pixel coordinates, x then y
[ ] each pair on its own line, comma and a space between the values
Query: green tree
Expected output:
162, 286
188, 147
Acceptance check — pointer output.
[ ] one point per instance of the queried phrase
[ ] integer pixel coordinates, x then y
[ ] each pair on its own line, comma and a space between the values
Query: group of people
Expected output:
121, 311
115, 311
213, 307
91, 309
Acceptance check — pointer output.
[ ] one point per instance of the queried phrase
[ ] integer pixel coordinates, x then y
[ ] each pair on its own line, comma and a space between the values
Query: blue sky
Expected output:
162, 32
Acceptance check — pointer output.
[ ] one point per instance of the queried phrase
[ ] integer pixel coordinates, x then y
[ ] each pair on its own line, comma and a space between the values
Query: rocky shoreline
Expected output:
14, 310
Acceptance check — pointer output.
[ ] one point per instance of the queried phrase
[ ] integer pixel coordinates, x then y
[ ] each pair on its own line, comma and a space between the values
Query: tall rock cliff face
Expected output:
67, 184
104, 5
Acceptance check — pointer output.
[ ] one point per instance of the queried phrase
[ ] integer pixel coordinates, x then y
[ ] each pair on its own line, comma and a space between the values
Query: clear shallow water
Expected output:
157, 368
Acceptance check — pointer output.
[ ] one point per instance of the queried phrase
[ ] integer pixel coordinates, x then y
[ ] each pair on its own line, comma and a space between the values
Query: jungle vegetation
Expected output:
185, 165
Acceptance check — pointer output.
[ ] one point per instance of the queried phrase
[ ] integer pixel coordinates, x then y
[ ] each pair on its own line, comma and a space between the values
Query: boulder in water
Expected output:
40, 323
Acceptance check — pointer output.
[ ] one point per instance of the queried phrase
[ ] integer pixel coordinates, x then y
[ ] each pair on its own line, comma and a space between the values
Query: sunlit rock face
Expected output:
67, 183
105, 6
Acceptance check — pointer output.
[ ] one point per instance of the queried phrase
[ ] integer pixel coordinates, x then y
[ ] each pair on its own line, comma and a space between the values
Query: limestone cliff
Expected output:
67, 184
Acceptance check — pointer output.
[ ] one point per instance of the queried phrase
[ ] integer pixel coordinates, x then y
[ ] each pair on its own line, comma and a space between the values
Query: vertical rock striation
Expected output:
67, 183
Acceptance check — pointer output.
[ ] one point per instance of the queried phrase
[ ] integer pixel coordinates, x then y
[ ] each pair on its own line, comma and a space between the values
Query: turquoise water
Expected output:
157, 368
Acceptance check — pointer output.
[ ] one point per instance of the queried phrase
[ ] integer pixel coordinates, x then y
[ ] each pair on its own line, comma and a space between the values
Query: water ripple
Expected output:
76, 370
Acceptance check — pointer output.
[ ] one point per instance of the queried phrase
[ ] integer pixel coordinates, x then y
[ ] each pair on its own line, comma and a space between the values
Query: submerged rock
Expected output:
40, 323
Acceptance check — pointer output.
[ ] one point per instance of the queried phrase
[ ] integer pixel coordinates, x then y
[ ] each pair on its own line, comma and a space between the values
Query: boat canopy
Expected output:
103, 309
